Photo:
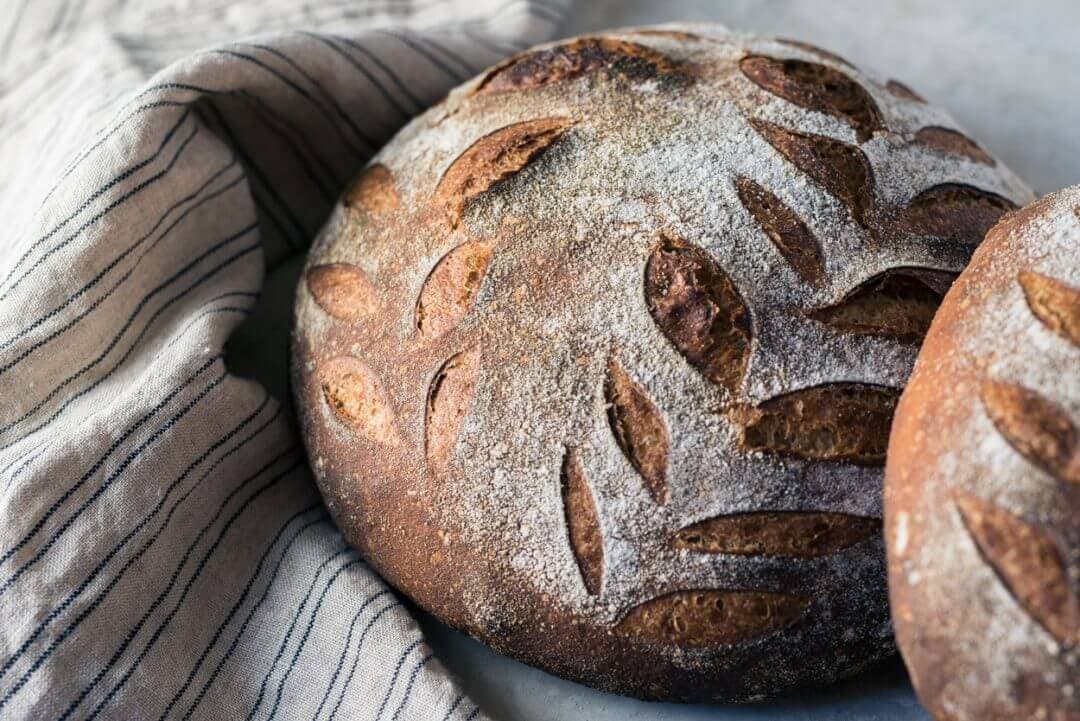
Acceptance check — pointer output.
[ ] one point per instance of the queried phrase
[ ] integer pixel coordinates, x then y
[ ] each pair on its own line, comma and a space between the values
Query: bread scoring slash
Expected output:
633, 312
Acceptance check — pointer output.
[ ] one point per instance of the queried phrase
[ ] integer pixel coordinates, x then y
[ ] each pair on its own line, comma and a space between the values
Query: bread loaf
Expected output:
983, 482
597, 359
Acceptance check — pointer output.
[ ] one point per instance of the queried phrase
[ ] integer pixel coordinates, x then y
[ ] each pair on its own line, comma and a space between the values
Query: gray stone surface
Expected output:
1008, 72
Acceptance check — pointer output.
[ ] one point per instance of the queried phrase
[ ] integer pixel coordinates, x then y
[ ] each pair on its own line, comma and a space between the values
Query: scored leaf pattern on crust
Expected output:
785, 229
1056, 305
450, 289
449, 398
1028, 562
358, 399
840, 168
899, 304
1037, 428
832, 422
816, 87
705, 617
794, 534
958, 212
698, 308
342, 290
493, 159
952, 142
573, 59
374, 191
639, 430
582, 524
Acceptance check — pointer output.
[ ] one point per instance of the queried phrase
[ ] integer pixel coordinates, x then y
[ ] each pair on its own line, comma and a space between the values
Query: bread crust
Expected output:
982, 498
587, 334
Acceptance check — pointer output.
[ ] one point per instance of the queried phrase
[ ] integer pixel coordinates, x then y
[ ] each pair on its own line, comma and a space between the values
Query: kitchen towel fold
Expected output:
163, 551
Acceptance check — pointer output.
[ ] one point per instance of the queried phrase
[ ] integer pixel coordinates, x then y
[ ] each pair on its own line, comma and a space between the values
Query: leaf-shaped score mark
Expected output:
449, 399
582, 524
951, 210
697, 307
899, 303
709, 617
1037, 428
374, 191
794, 534
493, 159
450, 289
1056, 305
785, 229
816, 87
357, 398
899, 90
1028, 562
833, 422
342, 290
952, 142
579, 57
638, 429
838, 167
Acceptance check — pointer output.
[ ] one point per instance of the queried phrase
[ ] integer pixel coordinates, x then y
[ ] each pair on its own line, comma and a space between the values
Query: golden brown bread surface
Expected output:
631, 315
983, 482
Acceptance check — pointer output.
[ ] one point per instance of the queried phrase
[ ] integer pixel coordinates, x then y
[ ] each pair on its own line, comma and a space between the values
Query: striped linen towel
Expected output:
163, 551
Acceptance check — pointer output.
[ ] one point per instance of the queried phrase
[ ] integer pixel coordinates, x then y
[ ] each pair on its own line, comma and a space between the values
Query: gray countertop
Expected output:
1008, 73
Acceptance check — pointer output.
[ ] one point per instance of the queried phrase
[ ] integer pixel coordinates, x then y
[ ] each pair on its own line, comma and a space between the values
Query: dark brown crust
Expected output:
902, 91
958, 212
567, 61
494, 158
984, 546
1036, 427
896, 304
835, 422
1029, 564
815, 50
1056, 305
342, 290
358, 399
794, 534
698, 308
785, 229
706, 617
952, 142
481, 538
840, 168
639, 430
374, 192
450, 289
448, 400
816, 87
582, 524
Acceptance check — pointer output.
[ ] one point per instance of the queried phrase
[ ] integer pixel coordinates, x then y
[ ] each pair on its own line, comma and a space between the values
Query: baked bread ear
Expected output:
597, 359
983, 482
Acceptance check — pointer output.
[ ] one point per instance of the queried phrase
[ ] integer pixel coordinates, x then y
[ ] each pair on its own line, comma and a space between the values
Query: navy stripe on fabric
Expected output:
294, 238
342, 551
127, 251
296, 88
397, 672
374, 59
450, 711
114, 181
458, 75
328, 97
357, 657
131, 319
474, 714
323, 518
307, 634
196, 574
101, 461
407, 693
131, 457
404, 112
78, 590
345, 651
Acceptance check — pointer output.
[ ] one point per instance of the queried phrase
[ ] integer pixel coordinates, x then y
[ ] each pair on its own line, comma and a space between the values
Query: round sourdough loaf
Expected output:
597, 359
983, 483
